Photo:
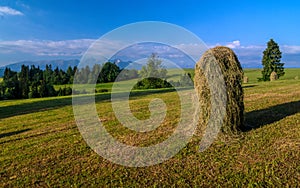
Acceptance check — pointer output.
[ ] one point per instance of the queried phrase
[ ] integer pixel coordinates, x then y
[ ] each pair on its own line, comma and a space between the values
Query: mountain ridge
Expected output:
60, 63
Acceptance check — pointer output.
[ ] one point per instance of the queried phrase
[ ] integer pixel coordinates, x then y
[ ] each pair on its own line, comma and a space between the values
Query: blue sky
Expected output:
53, 29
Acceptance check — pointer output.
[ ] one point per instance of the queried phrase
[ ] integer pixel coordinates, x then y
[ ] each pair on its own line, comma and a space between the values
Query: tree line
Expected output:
109, 73
33, 82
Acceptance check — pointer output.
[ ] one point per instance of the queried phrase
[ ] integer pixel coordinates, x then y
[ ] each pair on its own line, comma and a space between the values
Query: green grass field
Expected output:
254, 74
42, 147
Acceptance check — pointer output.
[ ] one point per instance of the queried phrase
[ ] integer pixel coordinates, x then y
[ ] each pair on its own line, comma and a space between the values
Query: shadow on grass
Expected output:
249, 86
259, 118
13, 133
34, 106
55, 103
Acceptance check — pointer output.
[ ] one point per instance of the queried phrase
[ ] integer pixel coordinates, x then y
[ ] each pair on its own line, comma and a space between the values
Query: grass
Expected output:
254, 74
107, 86
173, 74
41, 145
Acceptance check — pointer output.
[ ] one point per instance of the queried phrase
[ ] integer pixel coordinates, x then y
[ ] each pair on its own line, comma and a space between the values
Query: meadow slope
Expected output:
41, 145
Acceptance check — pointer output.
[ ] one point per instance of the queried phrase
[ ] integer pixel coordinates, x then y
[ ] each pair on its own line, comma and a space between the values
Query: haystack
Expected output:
233, 77
246, 80
273, 76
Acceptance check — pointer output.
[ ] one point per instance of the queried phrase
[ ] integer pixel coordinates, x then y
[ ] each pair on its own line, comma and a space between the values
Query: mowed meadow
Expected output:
42, 147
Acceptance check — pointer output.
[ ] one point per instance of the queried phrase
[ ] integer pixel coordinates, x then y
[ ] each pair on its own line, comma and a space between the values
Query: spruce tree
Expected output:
271, 61
24, 81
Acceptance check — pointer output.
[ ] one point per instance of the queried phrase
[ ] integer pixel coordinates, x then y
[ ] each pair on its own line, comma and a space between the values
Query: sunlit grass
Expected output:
41, 145
254, 74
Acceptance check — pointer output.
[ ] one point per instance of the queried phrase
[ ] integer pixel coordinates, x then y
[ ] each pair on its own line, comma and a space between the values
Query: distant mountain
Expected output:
62, 64
127, 64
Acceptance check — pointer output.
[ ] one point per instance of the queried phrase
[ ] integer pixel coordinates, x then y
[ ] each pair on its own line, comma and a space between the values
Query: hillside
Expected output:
42, 147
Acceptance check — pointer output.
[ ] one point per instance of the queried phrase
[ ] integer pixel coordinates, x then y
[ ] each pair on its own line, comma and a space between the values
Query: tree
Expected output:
271, 61
46, 89
70, 75
47, 74
153, 68
152, 83
109, 73
85, 74
33, 82
35, 74
11, 84
55, 78
153, 75
24, 81
33, 93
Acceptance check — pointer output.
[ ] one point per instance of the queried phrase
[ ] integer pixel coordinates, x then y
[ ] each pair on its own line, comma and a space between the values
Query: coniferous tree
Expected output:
24, 81
33, 82
109, 73
70, 75
272, 61
11, 84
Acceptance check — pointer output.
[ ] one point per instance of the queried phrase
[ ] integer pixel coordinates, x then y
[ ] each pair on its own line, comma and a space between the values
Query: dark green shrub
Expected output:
152, 83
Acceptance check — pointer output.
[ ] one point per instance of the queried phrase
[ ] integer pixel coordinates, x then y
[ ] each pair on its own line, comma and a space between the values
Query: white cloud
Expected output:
234, 44
9, 11
290, 49
46, 47
195, 50
249, 55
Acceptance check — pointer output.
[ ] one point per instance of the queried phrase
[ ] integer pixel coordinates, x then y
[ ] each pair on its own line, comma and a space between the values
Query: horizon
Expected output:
48, 62
52, 30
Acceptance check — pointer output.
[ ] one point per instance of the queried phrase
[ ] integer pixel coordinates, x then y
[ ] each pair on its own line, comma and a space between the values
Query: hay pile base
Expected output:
273, 76
233, 77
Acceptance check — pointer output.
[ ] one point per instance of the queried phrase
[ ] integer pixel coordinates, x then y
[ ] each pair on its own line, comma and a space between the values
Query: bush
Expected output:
152, 83
65, 91
101, 90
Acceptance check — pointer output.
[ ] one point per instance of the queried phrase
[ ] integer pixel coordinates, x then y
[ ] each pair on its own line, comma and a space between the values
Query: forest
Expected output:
33, 82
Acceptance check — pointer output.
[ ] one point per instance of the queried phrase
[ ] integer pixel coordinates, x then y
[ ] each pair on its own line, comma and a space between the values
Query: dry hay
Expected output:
296, 78
233, 75
273, 76
246, 80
